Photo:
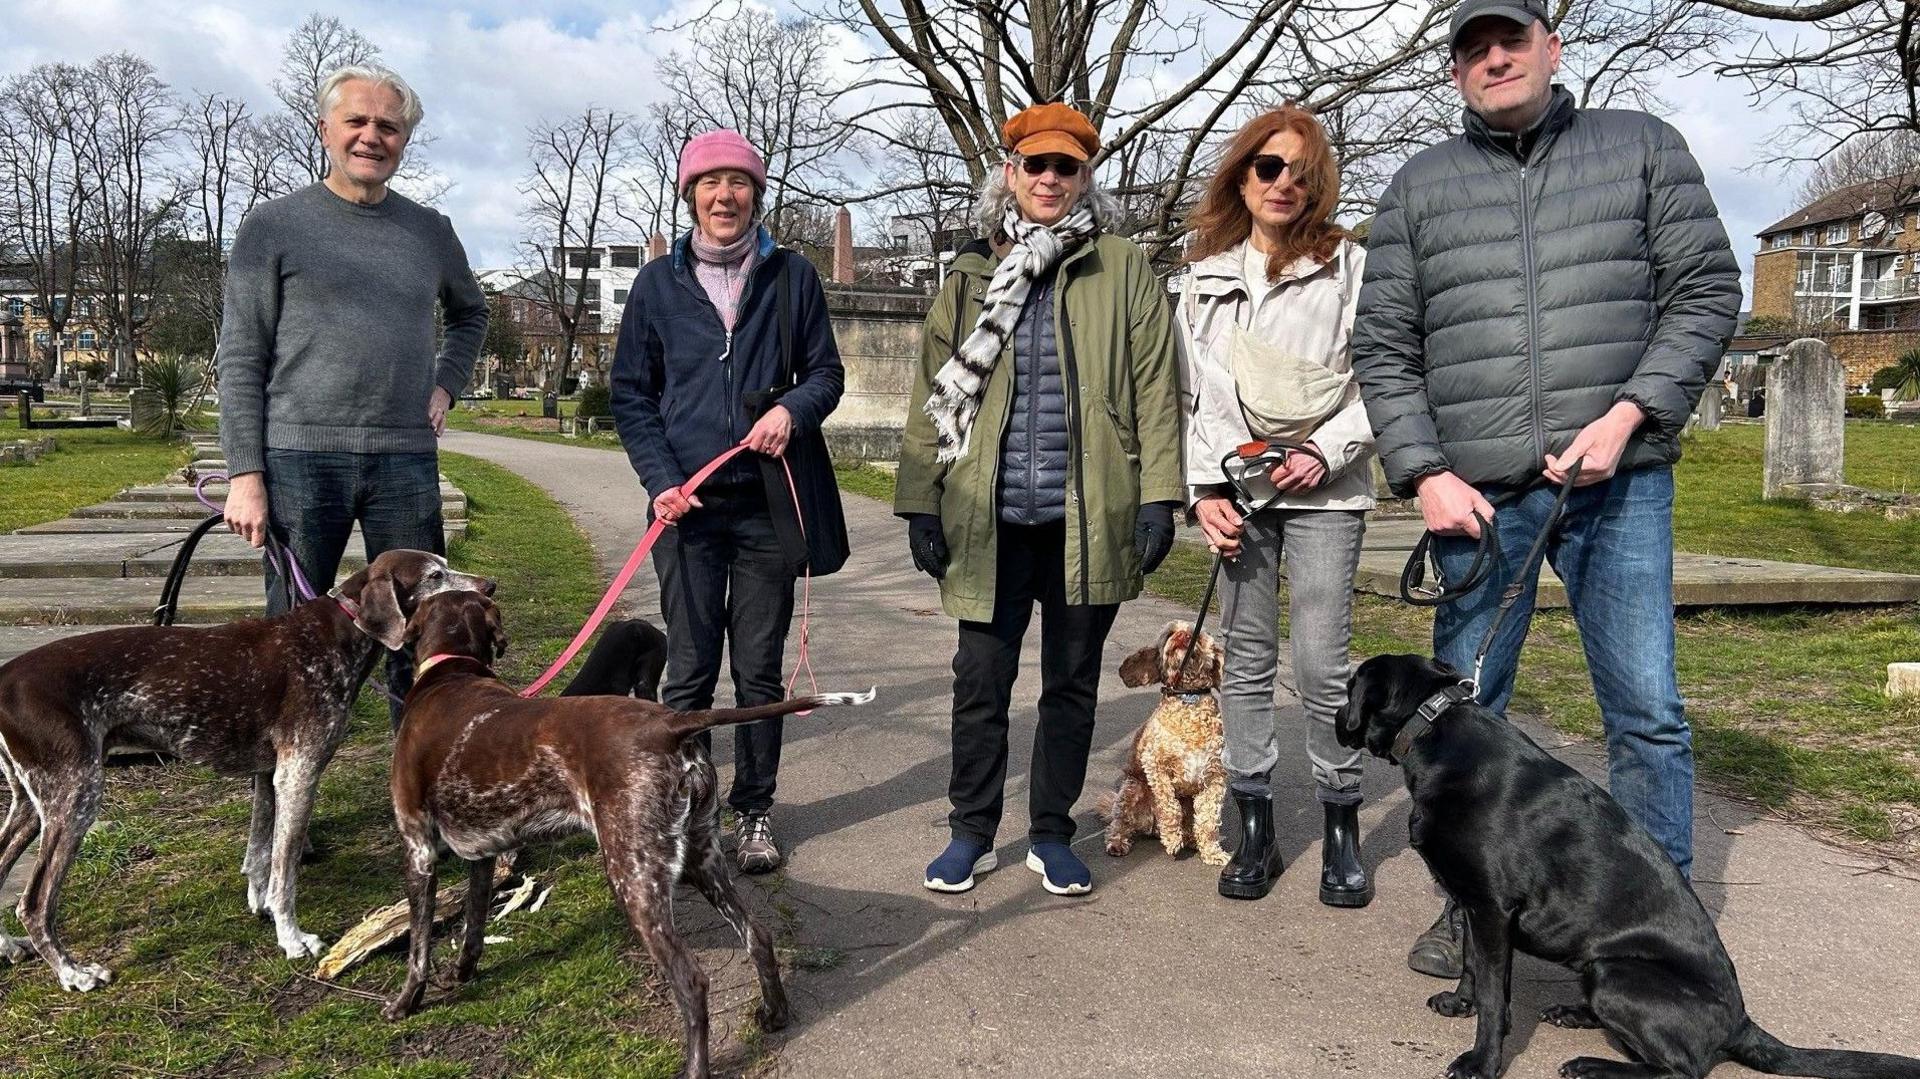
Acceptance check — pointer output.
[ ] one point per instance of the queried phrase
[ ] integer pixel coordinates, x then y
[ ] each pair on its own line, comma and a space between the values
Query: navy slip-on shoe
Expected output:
1061, 871
954, 870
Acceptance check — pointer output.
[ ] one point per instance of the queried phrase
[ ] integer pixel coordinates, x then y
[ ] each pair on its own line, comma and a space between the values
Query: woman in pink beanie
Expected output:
728, 341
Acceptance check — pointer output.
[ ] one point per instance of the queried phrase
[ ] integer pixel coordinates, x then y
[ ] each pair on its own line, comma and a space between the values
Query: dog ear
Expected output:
1142, 668
379, 616
497, 629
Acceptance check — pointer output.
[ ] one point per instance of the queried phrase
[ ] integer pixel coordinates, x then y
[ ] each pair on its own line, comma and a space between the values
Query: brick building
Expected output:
1846, 268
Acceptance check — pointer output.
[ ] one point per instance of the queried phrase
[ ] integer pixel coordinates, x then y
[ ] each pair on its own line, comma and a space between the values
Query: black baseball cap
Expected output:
1523, 12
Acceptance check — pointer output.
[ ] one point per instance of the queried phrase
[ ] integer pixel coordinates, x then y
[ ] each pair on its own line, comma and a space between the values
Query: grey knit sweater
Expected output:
327, 342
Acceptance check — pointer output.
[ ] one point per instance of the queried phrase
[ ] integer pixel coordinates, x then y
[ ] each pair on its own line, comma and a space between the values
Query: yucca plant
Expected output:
177, 381
1908, 368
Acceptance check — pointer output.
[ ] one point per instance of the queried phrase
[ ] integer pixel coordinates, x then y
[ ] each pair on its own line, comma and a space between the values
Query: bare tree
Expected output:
573, 196
217, 187
651, 183
137, 119
770, 80
1849, 70
1165, 81
315, 49
1888, 158
930, 193
44, 190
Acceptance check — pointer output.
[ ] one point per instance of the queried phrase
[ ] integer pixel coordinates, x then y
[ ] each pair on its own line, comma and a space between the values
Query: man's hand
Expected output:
247, 507
437, 410
1601, 443
1448, 504
1220, 523
772, 432
670, 505
1301, 472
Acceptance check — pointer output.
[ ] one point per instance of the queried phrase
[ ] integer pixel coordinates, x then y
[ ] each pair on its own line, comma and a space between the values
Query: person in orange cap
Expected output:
1040, 464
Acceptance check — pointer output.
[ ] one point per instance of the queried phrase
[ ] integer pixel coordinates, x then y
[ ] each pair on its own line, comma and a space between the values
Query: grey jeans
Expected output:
1322, 551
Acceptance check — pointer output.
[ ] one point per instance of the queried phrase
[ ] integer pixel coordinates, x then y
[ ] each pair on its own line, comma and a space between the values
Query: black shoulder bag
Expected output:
821, 546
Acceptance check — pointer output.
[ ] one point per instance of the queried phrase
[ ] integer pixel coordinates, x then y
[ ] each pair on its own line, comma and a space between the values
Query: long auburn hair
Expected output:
1222, 219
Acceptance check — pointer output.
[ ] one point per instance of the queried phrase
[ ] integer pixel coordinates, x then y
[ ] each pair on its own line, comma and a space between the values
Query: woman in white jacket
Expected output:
1270, 268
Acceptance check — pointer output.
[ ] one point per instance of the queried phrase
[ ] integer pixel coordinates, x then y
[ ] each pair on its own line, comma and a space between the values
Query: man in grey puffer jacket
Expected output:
1552, 285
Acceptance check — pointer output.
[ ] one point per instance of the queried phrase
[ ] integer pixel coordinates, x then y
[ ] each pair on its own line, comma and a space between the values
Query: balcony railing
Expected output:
1905, 287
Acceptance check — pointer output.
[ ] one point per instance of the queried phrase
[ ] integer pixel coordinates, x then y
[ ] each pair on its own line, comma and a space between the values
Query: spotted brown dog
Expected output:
487, 771
265, 697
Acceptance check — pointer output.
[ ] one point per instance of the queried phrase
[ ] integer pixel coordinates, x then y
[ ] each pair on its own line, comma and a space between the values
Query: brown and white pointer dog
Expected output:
487, 771
267, 698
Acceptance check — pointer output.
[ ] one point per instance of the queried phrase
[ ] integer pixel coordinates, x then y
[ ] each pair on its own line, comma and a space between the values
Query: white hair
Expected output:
990, 207
380, 75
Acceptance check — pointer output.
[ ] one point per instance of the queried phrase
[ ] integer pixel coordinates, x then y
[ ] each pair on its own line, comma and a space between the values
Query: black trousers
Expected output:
725, 583
1031, 568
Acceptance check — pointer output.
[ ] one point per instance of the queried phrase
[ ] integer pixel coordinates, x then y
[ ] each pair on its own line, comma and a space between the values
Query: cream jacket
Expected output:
1309, 310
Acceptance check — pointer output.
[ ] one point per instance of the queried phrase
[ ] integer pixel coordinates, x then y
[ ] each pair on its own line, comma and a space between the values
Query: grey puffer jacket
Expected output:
1517, 287
1033, 458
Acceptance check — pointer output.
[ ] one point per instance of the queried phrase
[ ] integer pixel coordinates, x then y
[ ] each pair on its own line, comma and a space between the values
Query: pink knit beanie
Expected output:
721, 149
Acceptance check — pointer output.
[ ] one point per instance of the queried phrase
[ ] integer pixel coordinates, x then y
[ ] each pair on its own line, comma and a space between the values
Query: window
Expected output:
619, 295
1805, 283
16, 306
1899, 224
66, 340
1806, 238
626, 258
1837, 234
86, 339
1899, 263
42, 339
1781, 240
583, 259
1841, 276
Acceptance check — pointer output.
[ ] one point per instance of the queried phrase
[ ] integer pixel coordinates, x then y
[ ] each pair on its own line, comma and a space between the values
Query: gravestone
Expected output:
1711, 404
86, 396
1806, 410
143, 409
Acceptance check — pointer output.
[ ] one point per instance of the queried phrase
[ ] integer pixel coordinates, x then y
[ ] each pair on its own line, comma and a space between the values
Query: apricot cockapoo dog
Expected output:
1173, 782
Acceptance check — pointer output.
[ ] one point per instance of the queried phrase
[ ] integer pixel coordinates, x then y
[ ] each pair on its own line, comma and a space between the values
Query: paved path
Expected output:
1154, 974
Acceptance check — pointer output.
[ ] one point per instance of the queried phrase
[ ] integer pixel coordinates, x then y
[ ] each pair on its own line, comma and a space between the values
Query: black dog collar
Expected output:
1426, 715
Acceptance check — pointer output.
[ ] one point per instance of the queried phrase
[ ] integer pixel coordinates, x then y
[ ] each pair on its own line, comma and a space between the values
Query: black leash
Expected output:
1519, 582
168, 610
1243, 499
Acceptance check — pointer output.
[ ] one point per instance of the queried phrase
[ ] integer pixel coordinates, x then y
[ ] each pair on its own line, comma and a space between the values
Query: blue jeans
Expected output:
1613, 550
313, 499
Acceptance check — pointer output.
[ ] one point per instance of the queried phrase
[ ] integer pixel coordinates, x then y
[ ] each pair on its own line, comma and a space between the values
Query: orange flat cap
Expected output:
1052, 128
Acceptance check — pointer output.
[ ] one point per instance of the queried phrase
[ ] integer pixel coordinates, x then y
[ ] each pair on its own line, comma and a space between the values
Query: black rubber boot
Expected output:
1438, 951
1343, 880
1256, 861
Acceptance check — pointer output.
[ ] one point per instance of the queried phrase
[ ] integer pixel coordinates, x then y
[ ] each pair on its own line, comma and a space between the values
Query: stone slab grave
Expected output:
103, 564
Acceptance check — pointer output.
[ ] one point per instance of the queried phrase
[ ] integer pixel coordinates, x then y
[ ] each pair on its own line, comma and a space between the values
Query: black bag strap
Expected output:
786, 327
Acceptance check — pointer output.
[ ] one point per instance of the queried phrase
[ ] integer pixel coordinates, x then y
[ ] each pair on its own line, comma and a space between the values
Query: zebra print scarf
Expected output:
954, 399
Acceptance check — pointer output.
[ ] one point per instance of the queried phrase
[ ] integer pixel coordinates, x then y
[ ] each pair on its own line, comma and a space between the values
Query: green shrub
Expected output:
595, 400
1866, 407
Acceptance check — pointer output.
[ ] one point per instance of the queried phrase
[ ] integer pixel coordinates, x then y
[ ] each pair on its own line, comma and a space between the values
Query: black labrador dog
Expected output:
1544, 861
625, 662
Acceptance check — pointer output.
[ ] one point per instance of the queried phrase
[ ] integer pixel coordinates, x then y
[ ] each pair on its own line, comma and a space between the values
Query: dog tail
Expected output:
686, 723
1763, 1052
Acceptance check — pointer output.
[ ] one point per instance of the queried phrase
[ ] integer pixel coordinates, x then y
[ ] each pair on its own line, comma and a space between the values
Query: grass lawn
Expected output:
1785, 701
522, 419
200, 988
90, 466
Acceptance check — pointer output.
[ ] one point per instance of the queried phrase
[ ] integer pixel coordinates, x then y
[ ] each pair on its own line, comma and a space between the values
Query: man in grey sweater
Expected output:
331, 391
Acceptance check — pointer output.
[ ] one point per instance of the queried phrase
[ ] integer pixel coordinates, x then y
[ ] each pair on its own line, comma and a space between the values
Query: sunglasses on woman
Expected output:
1268, 167
1064, 167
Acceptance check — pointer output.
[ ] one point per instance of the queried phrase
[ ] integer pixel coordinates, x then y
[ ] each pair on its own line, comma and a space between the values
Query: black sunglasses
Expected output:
1268, 167
1064, 167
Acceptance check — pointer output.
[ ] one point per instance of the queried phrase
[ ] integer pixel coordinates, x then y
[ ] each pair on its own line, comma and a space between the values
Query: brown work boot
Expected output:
757, 852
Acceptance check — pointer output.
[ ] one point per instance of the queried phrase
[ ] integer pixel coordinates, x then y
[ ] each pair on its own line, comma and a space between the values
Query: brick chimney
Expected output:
656, 247
843, 247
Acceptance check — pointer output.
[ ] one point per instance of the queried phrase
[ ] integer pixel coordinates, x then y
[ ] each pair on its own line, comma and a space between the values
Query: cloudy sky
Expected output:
488, 68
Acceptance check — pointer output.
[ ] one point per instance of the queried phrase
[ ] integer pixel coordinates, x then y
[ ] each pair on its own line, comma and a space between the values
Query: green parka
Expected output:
1113, 322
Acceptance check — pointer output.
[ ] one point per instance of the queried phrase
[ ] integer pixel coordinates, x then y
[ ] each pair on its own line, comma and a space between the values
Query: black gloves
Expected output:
928, 542
1153, 534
